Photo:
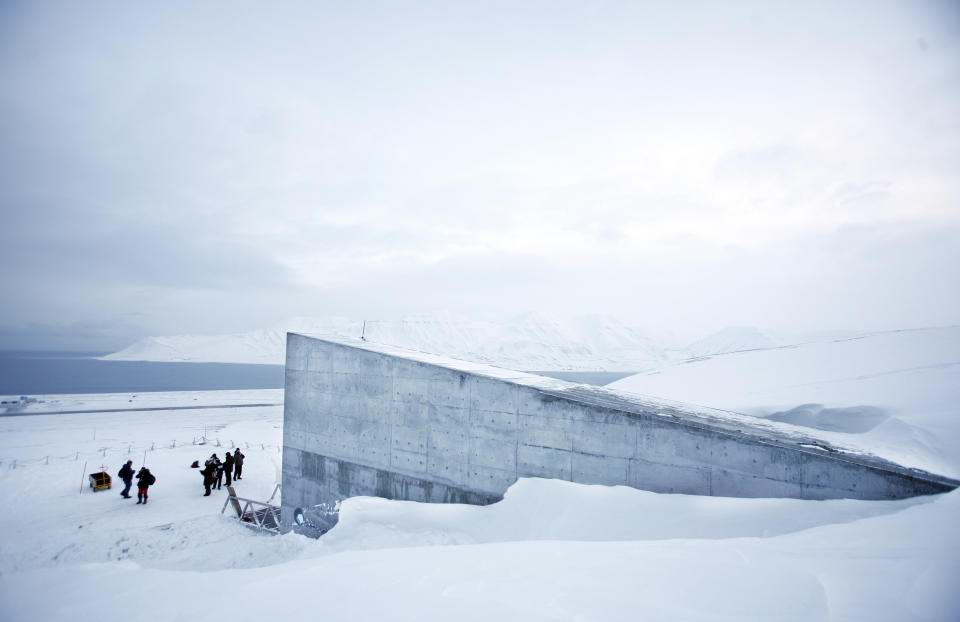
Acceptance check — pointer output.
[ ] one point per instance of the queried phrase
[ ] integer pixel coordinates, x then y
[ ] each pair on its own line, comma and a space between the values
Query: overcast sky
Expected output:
170, 168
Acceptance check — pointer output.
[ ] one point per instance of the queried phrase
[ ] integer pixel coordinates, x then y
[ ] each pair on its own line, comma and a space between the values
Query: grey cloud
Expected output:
66, 247
859, 278
94, 335
160, 166
778, 161
864, 193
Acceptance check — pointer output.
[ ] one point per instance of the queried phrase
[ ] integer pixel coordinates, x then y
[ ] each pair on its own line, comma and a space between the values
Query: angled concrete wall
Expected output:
362, 419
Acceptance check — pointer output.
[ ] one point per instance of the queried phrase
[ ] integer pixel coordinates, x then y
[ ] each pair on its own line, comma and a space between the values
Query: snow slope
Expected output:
898, 391
529, 341
731, 339
551, 550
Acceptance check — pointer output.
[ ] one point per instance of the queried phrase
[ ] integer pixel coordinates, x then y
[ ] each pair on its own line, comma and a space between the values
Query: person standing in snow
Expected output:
145, 479
209, 473
228, 467
238, 464
219, 466
126, 474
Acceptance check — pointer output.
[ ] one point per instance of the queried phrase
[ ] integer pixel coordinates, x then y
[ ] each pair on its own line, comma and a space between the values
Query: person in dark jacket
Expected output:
219, 473
209, 473
126, 474
145, 479
237, 464
228, 467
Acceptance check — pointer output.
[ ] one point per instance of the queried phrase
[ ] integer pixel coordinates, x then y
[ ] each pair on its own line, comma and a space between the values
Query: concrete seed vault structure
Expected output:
368, 419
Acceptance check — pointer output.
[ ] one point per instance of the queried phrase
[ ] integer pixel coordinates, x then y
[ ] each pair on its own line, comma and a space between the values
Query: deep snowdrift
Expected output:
898, 392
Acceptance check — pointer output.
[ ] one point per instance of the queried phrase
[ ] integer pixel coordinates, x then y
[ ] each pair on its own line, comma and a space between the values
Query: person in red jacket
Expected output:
145, 479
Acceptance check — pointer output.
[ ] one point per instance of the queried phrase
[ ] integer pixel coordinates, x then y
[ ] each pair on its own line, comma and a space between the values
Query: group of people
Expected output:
214, 470
213, 473
145, 479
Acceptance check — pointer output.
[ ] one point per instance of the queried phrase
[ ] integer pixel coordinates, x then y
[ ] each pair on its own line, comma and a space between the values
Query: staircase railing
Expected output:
252, 513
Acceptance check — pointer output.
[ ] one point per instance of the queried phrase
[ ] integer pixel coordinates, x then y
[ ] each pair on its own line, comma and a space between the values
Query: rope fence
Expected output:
130, 449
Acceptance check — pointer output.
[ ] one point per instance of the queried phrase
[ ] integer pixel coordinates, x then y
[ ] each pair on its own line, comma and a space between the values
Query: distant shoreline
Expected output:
53, 372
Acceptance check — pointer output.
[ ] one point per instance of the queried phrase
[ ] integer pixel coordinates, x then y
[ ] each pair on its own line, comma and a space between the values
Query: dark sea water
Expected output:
25, 372
36, 373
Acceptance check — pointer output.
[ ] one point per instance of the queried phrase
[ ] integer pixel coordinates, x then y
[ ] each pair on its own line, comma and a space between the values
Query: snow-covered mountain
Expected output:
530, 341
264, 346
731, 339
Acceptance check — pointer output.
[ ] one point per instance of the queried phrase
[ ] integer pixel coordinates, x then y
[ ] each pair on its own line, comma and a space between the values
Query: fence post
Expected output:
47, 461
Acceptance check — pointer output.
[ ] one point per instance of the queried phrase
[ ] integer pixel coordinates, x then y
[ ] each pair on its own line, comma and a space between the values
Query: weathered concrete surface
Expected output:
365, 419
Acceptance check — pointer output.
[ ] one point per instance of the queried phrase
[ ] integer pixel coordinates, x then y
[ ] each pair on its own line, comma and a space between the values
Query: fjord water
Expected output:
44, 372
26, 372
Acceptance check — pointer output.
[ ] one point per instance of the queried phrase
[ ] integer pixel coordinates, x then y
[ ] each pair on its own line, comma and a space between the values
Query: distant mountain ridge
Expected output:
530, 341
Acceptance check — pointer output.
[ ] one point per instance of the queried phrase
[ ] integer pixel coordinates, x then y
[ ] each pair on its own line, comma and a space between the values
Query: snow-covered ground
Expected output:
551, 550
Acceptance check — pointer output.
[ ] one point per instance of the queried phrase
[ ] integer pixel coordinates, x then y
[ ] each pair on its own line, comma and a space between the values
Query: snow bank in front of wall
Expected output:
897, 392
544, 509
